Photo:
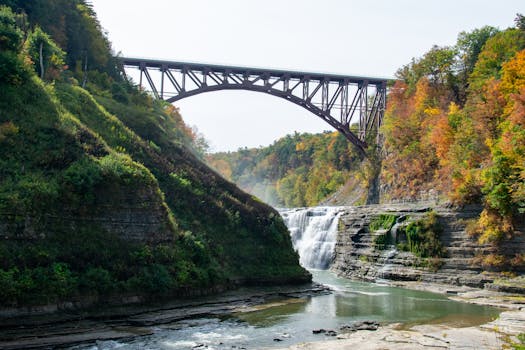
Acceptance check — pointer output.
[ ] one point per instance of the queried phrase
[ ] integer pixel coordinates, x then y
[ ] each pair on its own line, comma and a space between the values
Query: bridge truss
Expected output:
337, 99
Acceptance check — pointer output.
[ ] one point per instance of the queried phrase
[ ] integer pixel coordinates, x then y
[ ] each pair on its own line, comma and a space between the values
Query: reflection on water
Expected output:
291, 323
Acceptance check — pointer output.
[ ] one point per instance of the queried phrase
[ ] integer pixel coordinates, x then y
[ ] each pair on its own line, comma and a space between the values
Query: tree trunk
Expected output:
41, 60
85, 78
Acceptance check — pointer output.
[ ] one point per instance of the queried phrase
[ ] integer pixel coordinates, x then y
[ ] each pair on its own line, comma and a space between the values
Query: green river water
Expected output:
291, 322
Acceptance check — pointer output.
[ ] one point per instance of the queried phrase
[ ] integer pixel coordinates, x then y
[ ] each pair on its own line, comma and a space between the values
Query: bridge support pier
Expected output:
373, 190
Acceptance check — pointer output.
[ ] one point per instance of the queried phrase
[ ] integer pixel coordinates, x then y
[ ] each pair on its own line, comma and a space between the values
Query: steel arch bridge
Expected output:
339, 100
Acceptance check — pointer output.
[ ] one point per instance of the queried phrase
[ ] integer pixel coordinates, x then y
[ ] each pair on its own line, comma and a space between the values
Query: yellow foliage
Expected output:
432, 111
422, 94
494, 260
453, 109
493, 226
222, 167
513, 74
300, 146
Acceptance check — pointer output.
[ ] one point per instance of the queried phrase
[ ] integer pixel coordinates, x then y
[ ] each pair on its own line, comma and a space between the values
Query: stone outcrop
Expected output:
499, 334
133, 213
356, 257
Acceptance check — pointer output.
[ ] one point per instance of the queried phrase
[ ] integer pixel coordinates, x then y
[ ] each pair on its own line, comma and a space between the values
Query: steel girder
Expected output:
337, 99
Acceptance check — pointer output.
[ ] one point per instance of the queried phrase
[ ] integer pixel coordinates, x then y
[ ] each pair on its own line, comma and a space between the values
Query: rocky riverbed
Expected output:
497, 334
124, 323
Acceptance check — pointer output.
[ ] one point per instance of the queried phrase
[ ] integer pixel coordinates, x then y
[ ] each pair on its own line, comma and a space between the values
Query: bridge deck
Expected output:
271, 73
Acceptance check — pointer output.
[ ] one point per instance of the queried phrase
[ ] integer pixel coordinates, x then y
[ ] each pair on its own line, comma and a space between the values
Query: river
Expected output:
292, 321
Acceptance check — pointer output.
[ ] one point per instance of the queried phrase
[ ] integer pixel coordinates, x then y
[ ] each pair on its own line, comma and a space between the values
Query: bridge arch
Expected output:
337, 99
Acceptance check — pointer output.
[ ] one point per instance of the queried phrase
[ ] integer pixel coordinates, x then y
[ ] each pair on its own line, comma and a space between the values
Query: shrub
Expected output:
494, 260
383, 221
423, 237
97, 279
122, 168
83, 175
382, 241
521, 344
153, 279
8, 280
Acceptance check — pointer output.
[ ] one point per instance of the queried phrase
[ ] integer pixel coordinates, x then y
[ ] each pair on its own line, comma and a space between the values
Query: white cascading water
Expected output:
314, 234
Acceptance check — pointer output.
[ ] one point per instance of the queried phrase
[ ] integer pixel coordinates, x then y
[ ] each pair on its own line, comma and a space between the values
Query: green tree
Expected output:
520, 21
498, 49
10, 34
12, 67
47, 57
469, 45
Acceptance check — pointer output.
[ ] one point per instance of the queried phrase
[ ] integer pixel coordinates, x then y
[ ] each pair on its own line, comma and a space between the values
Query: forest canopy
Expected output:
455, 122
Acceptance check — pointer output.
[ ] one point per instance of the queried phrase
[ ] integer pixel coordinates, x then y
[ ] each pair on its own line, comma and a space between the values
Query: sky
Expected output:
352, 37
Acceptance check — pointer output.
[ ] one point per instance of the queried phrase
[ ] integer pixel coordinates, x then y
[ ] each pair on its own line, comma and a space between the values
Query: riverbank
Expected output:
125, 323
247, 310
496, 334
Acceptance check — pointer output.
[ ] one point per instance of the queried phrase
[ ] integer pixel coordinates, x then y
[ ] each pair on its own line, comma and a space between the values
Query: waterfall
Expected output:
314, 233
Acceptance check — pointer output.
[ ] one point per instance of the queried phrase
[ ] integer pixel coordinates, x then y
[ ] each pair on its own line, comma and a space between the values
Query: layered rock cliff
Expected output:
357, 254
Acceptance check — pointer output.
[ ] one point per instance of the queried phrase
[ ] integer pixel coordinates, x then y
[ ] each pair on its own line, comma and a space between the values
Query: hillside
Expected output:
454, 131
102, 194
455, 125
295, 171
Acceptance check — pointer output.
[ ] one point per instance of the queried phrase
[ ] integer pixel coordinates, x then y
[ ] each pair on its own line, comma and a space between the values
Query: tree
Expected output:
469, 45
497, 50
436, 65
520, 21
13, 69
10, 34
73, 26
43, 50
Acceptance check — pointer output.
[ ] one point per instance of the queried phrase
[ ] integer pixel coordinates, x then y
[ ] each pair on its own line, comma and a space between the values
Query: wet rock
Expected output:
360, 326
328, 332
277, 339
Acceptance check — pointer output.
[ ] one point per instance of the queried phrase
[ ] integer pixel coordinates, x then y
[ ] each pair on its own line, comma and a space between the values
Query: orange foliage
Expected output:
513, 74
486, 109
471, 154
410, 166
512, 140
441, 136
421, 97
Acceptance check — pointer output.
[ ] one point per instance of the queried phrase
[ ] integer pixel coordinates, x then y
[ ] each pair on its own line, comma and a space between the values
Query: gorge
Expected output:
119, 230
279, 316
285, 321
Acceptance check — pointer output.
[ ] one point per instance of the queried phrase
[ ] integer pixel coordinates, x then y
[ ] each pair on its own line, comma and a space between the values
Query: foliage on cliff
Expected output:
456, 122
295, 171
101, 192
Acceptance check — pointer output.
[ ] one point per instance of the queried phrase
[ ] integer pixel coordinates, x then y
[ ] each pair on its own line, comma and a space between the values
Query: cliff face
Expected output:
132, 214
102, 195
357, 254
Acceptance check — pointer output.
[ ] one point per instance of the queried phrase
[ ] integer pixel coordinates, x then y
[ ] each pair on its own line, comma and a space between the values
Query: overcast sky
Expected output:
372, 38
